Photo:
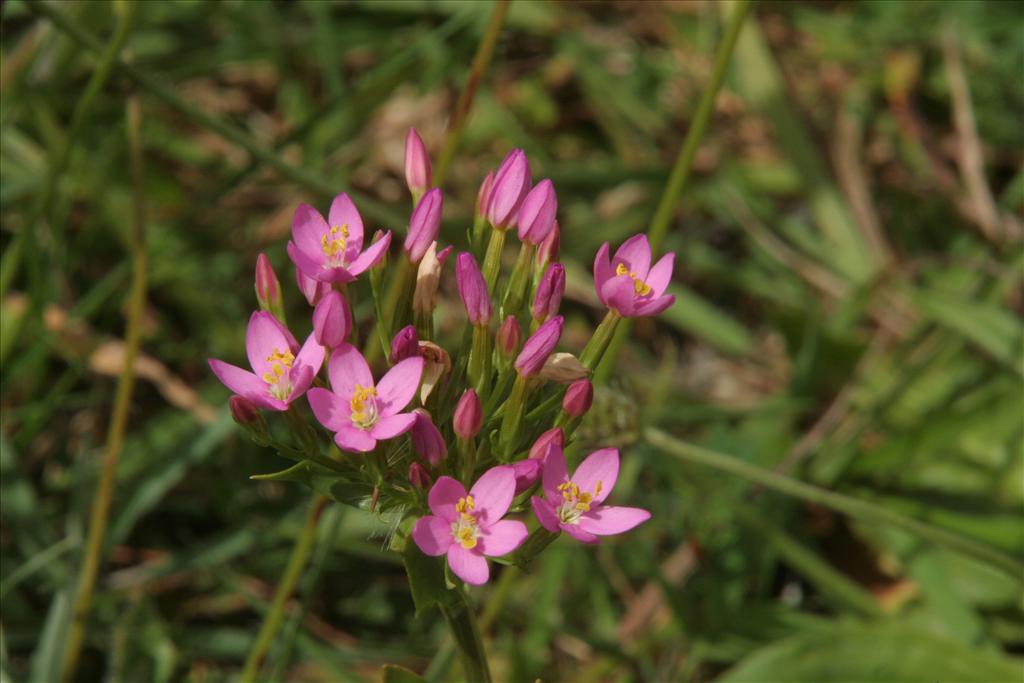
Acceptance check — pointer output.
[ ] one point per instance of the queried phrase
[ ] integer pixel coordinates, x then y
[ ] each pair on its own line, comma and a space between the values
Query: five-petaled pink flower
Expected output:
469, 526
574, 504
332, 251
628, 284
359, 412
281, 370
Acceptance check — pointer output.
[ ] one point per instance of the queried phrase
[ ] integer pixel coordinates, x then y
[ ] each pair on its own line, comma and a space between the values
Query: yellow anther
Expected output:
597, 489
334, 241
467, 537
364, 408
465, 506
639, 286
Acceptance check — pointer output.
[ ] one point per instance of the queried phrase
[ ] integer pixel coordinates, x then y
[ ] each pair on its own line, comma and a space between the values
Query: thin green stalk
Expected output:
684, 164
492, 259
292, 572
858, 509
100, 514
481, 59
466, 633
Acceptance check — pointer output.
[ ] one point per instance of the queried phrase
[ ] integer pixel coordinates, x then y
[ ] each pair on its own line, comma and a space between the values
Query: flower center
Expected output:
575, 502
639, 286
333, 244
364, 406
465, 530
277, 378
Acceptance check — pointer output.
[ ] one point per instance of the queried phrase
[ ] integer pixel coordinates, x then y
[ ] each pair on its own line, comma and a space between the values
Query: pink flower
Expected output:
359, 412
332, 320
426, 439
574, 504
424, 225
627, 284
473, 289
537, 214
310, 288
538, 347
549, 293
468, 527
332, 252
417, 164
528, 471
281, 370
511, 183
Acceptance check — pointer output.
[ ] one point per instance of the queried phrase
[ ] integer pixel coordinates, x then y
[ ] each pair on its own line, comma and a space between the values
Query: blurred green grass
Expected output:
849, 314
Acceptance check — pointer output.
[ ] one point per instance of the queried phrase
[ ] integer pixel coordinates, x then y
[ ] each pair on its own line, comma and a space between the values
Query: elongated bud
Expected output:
578, 398
549, 293
405, 344
332, 320
418, 476
382, 264
483, 195
426, 439
563, 368
417, 164
469, 416
511, 183
268, 289
508, 339
539, 449
528, 471
424, 225
313, 290
547, 253
428, 278
436, 363
537, 214
248, 417
473, 289
538, 347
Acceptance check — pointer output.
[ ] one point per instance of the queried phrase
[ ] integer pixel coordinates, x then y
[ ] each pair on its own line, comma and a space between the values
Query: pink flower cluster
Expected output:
476, 390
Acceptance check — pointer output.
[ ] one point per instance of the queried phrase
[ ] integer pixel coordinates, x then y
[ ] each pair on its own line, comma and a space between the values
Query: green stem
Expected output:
858, 509
514, 407
594, 349
462, 623
481, 59
100, 513
492, 259
515, 293
292, 572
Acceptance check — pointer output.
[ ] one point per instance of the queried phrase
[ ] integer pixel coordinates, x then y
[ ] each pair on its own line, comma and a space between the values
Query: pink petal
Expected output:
468, 565
555, 474
301, 377
433, 535
239, 381
329, 409
310, 264
399, 385
527, 472
619, 294
443, 497
609, 519
661, 275
502, 537
545, 513
346, 369
344, 212
311, 355
654, 306
264, 336
308, 226
493, 493
635, 253
579, 534
390, 426
351, 438
602, 270
600, 466
371, 256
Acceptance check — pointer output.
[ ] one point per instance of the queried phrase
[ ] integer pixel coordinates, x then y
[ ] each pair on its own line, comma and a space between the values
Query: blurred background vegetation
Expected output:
849, 277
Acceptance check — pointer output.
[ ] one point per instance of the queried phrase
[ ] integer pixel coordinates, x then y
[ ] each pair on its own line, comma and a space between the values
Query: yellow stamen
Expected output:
364, 408
639, 286
333, 243
279, 360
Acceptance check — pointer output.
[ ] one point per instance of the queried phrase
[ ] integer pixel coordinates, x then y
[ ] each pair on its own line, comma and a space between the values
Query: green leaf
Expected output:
426, 578
988, 326
392, 673
887, 651
323, 481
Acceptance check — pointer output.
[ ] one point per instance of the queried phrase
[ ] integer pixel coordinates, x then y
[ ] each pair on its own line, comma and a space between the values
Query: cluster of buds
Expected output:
454, 435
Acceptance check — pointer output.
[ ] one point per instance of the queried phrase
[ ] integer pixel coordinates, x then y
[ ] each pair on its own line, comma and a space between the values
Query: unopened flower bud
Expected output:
245, 413
549, 293
268, 289
528, 471
428, 277
483, 195
417, 164
538, 347
424, 225
537, 214
547, 253
426, 439
511, 183
563, 368
539, 449
578, 398
405, 344
469, 416
473, 289
332, 320
418, 477
382, 264
508, 339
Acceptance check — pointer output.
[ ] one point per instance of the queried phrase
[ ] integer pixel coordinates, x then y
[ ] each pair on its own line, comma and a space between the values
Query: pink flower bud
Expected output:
417, 164
547, 253
537, 214
268, 289
332, 320
509, 337
313, 290
538, 347
483, 195
539, 449
426, 439
549, 293
469, 416
473, 289
511, 183
405, 344
244, 412
382, 262
528, 471
578, 398
424, 225
418, 476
